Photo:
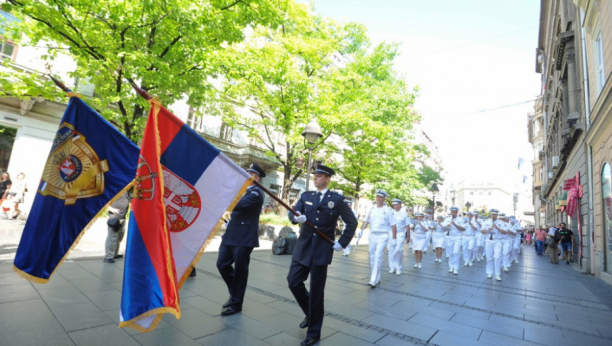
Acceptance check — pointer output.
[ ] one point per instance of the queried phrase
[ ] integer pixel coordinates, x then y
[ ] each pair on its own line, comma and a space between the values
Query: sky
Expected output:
466, 56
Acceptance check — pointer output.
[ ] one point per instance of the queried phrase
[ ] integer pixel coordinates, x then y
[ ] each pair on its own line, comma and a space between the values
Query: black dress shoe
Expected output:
118, 256
304, 323
230, 311
227, 303
310, 341
193, 273
109, 260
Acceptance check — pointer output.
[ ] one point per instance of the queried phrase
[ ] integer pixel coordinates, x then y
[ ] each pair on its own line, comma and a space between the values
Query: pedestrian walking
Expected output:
493, 229
381, 220
238, 241
567, 240
454, 227
438, 237
313, 254
552, 241
396, 254
5, 186
468, 239
14, 197
116, 227
420, 228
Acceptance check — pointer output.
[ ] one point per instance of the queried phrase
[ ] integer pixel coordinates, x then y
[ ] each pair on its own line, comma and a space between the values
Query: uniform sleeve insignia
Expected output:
255, 192
330, 204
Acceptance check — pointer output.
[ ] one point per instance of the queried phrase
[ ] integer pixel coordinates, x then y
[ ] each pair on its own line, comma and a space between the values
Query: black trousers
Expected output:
235, 278
310, 302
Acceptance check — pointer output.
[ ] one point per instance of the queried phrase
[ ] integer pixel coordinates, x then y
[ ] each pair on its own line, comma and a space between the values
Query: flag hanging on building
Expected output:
90, 163
520, 162
183, 187
524, 179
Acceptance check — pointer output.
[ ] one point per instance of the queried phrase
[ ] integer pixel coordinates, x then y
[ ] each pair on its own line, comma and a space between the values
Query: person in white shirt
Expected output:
516, 241
454, 226
382, 223
428, 234
420, 230
479, 239
396, 254
506, 243
468, 239
438, 238
493, 229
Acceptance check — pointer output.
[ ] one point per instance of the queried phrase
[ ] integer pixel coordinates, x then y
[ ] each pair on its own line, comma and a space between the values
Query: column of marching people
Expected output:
473, 237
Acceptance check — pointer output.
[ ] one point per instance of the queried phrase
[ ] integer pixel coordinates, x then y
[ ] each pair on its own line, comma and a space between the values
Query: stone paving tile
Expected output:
30, 323
102, 336
366, 334
17, 292
392, 341
503, 340
165, 337
282, 339
91, 285
341, 339
107, 300
444, 338
80, 316
196, 324
580, 338
290, 325
231, 337
408, 328
396, 312
250, 326
462, 330
501, 328
63, 296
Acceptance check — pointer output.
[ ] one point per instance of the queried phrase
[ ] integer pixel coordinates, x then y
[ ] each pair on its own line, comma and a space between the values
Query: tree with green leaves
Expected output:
272, 84
171, 48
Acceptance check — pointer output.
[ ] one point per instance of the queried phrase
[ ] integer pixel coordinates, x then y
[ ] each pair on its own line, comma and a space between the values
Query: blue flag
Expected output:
90, 163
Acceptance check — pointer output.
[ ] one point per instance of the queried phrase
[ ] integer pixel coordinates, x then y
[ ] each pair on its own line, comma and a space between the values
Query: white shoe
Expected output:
419, 265
391, 271
372, 284
516, 261
497, 278
344, 254
416, 265
450, 270
506, 269
465, 263
470, 264
489, 276
398, 272
456, 272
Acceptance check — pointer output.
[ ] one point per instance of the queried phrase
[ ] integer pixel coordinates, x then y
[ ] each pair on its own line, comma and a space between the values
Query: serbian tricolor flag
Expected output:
89, 165
183, 186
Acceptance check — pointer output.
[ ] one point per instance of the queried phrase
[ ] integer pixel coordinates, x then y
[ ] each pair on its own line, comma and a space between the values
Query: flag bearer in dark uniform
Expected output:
238, 241
312, 254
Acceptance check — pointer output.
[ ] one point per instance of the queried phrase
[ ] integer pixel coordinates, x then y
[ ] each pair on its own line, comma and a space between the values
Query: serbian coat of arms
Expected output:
182, 202
73, 169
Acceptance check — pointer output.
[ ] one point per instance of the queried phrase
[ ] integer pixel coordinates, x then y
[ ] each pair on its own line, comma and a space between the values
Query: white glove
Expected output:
301, 218
359, 233
337, 246
393, 242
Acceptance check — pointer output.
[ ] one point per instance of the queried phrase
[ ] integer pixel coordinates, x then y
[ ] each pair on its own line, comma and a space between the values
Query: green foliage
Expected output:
274, 219
169, 47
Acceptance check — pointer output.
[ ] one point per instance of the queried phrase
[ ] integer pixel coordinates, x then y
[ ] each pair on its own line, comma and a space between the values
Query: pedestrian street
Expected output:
536, 303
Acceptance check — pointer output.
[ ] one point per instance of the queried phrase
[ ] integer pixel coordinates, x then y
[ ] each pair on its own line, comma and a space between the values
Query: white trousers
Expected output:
467, 243
378, 242
479, 246
396, 254
453, 250
493, 250
516, 248
427, 241
506, 252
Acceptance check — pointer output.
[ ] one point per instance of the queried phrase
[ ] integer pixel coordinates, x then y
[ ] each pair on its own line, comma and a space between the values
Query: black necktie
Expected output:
319, 194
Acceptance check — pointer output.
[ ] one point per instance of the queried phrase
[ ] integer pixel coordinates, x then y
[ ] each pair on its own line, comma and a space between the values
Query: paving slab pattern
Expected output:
537, 303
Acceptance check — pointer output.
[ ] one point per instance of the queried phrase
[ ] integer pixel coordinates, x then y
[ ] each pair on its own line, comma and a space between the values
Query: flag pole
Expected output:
326, 238
146, 96
59, 84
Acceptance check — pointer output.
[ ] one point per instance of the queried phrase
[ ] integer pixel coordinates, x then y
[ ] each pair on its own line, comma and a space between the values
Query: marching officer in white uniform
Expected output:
493, 229
381, 220
468, 239
396, 254
516, 242
479, 238
420, 230
507, 240
454, 226
347, 250
438, 237
428, 234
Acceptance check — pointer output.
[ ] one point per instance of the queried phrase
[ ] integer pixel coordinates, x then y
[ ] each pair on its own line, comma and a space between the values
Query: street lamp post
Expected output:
434, 191
312, 132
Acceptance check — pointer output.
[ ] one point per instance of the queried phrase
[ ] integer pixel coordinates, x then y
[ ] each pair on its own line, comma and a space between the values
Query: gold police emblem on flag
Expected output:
73, 169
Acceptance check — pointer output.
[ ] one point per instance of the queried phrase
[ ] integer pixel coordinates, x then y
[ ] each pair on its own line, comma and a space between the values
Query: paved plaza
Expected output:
536, 303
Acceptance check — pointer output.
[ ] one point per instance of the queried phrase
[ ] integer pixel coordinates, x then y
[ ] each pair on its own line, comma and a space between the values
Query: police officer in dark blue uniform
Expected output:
312, 254
238, 242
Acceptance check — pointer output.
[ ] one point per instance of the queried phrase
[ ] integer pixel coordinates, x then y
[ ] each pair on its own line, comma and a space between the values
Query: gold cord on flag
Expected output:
73, 94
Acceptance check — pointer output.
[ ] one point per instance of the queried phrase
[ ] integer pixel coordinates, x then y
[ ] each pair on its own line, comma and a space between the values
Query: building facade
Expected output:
536, 138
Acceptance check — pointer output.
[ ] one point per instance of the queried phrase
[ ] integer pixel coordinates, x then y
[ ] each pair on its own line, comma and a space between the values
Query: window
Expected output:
7, 49
471, 193
606, 195
599, 60
490, 193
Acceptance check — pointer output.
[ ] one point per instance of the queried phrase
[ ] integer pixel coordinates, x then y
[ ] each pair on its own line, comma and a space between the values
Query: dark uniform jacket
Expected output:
311, 249
242, 229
